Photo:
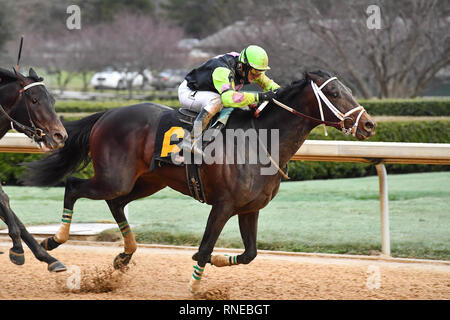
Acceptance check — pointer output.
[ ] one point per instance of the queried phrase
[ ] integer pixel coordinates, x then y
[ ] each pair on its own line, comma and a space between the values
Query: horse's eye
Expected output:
34, 100
335, 94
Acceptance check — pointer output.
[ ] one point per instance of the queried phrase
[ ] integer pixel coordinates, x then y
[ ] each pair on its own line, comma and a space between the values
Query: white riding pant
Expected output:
197, 100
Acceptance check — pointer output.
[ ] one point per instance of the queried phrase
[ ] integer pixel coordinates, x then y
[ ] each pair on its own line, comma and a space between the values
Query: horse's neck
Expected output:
293, 131
7, 96
7, 101
4, 127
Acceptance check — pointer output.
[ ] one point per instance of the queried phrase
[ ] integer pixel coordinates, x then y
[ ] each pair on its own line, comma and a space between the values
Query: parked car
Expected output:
114, 79
169, 78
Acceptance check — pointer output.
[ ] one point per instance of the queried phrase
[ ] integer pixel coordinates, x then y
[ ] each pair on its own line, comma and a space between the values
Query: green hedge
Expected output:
433, 131
407, 107
400, 107
412, 131
401, 131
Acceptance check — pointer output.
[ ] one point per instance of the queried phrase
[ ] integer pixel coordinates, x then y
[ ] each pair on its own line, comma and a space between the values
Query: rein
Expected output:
29, 131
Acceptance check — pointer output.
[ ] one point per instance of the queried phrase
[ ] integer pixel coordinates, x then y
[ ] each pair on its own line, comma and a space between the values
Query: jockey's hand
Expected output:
253, 105
266, 96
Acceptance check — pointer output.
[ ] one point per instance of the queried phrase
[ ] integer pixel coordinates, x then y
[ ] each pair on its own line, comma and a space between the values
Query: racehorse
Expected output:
120, 143
28, 107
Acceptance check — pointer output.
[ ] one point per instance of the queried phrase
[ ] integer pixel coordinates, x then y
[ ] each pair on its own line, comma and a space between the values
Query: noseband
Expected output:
32, 131
320, 96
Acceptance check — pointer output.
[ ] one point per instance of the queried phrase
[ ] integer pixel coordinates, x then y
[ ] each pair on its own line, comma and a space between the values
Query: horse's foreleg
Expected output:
16, 253
217, 219
248, 226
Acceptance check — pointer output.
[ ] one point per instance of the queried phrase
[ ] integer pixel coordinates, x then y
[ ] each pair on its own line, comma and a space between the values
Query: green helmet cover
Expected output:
256, 57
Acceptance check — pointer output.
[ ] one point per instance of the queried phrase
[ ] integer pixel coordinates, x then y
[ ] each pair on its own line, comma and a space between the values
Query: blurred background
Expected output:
151, 44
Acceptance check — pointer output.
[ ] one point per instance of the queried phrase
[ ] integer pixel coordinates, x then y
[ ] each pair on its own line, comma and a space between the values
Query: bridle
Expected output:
341, 116
320, 96
32, 132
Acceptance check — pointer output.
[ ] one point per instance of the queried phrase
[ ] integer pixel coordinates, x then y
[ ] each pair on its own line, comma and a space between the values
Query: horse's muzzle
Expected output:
366, 131
53, 140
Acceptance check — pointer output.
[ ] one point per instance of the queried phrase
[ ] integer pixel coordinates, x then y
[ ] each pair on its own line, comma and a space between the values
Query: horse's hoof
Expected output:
49, 244
16, 258
122, 260
56, 267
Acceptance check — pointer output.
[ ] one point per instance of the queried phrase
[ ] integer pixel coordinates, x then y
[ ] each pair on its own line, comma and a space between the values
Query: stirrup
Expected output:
196, 148
185, 144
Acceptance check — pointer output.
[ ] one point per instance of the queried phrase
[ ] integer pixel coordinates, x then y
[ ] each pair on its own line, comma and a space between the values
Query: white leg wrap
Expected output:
130, 243
128, 237
194, 283
223, 261
62, 235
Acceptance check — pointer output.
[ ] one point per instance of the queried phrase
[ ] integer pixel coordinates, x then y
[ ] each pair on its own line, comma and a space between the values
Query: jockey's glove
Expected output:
266, 96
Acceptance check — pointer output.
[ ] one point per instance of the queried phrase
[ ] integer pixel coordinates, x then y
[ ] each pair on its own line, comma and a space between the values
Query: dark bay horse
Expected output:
28, 107
121, 142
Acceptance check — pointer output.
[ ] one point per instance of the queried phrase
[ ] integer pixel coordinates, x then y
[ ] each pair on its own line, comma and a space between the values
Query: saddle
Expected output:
173, 127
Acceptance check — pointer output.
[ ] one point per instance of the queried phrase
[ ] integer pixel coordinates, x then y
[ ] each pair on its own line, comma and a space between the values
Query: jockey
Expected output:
216, 83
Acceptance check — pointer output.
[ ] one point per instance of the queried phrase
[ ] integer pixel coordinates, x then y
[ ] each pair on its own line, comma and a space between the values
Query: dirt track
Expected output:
159, 273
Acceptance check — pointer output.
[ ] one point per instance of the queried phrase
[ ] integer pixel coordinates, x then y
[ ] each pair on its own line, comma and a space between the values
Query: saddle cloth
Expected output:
175, 125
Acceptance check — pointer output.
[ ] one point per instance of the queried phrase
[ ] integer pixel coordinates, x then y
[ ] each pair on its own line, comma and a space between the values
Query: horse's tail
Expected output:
51, 170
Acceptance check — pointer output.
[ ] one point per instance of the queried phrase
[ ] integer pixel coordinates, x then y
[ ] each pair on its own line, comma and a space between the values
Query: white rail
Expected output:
18, 143
377, 153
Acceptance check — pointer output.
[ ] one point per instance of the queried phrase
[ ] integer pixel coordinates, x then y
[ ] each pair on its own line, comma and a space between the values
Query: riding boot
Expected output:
203, 117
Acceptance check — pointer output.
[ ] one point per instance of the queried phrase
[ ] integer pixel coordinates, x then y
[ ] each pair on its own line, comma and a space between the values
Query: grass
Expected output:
334, 216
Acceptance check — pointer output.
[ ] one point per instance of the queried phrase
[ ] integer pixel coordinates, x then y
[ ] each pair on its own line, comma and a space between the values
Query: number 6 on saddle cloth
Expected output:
176, 125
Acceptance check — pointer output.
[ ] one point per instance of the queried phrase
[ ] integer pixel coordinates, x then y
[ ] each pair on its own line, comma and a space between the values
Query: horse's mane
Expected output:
8, 74
297, 86
5, 73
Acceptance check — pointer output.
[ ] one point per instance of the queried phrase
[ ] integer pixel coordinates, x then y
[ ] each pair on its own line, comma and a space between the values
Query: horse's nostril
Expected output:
369, 125
59, 137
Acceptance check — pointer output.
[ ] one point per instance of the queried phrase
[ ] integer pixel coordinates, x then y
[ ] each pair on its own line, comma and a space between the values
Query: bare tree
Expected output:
134, 43
131, 43
89, 51
397, 60
49, 51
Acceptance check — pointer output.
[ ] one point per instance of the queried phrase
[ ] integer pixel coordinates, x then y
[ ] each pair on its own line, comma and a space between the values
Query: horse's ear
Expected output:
310, 75
20, 77
32, 74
